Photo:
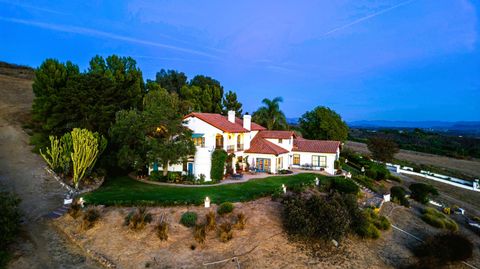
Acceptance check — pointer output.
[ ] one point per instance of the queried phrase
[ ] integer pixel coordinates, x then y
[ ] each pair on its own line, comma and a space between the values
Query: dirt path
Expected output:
468, 167
21, 171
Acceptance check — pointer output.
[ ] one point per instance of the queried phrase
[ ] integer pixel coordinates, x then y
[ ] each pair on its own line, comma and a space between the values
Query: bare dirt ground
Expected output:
468, 167
21, 171
262, 244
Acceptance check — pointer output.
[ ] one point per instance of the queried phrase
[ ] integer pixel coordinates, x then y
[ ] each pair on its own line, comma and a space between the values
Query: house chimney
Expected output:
231, 116
247, 122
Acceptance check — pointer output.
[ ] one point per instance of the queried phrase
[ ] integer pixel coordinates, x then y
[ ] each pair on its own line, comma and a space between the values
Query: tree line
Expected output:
142, 120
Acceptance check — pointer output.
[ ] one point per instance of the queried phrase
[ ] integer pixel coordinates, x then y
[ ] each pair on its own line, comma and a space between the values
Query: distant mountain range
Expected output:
435, 125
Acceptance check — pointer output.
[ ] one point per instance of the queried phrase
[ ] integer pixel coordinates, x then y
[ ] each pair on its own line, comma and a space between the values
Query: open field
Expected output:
468, 167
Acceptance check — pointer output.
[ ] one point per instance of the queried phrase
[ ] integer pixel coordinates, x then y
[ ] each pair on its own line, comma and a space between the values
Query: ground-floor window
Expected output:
279, 163
296, 159
319, 161
263, 165
199, 141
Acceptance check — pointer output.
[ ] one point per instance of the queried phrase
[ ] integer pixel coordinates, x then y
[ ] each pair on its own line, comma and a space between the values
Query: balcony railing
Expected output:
239, 147
230, 148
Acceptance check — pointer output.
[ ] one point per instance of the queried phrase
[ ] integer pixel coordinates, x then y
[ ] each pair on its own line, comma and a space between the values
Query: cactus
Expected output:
53, 155
85, 153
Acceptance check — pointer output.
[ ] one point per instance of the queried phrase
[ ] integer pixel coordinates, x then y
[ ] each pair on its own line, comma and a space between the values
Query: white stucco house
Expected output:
253, 146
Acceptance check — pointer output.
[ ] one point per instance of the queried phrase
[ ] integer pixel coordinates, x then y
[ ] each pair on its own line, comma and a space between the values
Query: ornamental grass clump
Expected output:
162, 230
438, 219
90, 217
138, 218
75, 210
188, 219
241, 221
199, 233
210, 221
225, 232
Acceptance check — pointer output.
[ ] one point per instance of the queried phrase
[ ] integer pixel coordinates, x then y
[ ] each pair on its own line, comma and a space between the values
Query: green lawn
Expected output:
126, 191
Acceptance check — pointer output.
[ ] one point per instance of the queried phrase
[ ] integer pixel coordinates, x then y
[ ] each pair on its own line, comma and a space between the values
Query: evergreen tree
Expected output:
323, 123
230, 102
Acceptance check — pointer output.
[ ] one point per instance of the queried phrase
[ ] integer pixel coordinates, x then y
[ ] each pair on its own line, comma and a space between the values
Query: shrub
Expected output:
225, 232
162, 230
211, 223
9, 223
90, 217
394, 178
199, 233
369, 223
157, 176
438, 219
398, 195
317, 216
365, 181
444, 248
75, 210
422, 192
174, 176
241, 221
138, 218
219, 157
344, 185
225, 208
371, 173
367, 230
189, 219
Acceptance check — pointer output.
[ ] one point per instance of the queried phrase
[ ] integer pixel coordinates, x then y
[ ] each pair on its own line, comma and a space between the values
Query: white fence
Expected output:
457, 182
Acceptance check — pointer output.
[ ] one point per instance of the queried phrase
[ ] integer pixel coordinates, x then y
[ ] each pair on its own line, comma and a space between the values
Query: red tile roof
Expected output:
221, 122
261, 146
318, 146
277, 134
254, 127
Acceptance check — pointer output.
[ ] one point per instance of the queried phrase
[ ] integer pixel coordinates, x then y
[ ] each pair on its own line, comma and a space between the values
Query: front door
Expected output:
263, 165
190, 169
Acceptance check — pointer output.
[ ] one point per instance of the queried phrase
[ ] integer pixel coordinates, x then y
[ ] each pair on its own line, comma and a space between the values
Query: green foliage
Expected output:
138, 218
219, 157
225, 232
438, 219
90, 217
188, 219
422, 192
442, 249
85, 153
58, 155
382, 148
65, 98
230, 102
398, 195
324, 124
211, 94
344, 185
9, 223
369, 224
270, 115
225, 208
171, 80
199, 233
317, 216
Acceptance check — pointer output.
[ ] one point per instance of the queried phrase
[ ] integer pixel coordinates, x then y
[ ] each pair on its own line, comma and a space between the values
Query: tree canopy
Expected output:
270, 115
171, 80
230, 102
382, 149
323, 123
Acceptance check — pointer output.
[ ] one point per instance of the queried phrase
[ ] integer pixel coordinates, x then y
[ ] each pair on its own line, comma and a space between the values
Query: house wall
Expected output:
286, 143
306, 159
252, 160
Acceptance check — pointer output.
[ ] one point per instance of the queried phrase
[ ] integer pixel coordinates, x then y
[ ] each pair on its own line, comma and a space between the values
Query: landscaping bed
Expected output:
126, 191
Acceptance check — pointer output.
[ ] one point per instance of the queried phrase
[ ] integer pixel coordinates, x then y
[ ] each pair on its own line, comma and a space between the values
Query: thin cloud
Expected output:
357, 21
33, 7
102, 34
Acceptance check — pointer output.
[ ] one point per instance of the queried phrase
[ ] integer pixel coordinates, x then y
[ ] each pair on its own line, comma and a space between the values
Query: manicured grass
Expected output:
126, 191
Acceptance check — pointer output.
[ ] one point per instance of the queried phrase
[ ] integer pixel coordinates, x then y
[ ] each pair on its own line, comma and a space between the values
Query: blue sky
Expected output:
368, 60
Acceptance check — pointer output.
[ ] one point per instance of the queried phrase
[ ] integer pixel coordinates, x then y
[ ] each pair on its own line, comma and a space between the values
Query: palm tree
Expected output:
270, 115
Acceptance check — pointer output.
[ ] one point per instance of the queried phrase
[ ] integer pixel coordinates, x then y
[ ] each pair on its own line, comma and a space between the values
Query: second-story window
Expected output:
280, 141
199, 141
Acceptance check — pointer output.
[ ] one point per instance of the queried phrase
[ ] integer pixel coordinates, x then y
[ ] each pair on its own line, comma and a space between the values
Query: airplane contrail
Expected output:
366, 17
102, 34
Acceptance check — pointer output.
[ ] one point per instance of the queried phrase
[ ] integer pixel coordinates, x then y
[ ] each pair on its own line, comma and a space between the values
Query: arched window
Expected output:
219, 141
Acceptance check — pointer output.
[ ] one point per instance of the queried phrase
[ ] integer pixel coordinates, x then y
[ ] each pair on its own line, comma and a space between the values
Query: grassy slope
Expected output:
126, 191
